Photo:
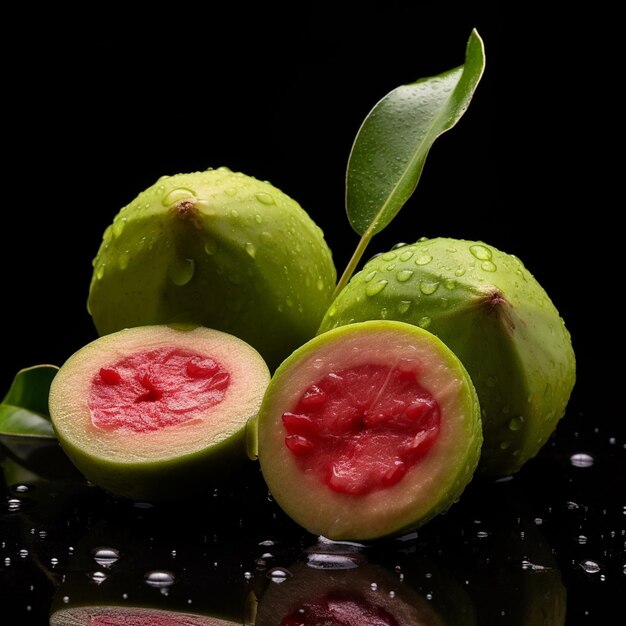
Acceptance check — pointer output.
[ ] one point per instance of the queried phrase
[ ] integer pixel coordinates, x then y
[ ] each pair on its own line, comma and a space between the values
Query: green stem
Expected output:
354, 261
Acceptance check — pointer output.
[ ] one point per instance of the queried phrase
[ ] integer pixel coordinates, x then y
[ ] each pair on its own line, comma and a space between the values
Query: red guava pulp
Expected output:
369, 430
340, 610
158, 412
154, 389
363, 428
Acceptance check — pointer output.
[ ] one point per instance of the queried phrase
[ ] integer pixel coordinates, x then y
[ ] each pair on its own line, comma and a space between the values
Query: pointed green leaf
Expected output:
24, 410
389, 151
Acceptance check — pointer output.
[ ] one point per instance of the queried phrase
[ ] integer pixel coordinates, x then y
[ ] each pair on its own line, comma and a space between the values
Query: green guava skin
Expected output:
219, 249
495, 316
443, 474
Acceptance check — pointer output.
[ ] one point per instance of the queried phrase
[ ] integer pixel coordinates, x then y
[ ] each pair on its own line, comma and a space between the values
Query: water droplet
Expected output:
403, 306
265, 198
428, 288
424, 322
591, 567
482, 534
389, 256
516, 423
278, 575
368, 278
105, 556
23, 553
504, 445
400, 244
176, 195
482, 253
373, 586
234, 213
181, 271
123, 260
54, 561
159, 578
258, 218
403, 275
488, 266
374, 289
118, 226
581, 459
320, 560
100, 271
423, 259
98, 577
13, 504
210, 247
21, 488
582, 540
66, 599
247, 575
250, 249
320, 284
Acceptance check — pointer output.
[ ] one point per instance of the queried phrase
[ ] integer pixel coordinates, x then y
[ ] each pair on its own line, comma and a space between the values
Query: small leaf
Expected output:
390, 149
24, 410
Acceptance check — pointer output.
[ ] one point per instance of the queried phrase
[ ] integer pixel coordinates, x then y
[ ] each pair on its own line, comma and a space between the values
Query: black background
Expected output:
98, 106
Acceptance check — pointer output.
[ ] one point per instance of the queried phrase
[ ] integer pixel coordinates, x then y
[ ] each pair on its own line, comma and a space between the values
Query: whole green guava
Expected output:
495, 316
219, 249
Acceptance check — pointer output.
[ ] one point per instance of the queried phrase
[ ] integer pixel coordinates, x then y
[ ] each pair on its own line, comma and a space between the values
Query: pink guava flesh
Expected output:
149, 618
149, 390
363, 428
337, 610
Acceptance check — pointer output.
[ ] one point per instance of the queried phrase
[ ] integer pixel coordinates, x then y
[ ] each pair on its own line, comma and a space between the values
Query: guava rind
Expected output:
166, 464
429, 489
219, 249
495, 316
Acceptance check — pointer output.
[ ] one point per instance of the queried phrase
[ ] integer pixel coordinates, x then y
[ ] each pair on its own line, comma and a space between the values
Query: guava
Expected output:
156, 412
495, 316
368, 430
219, 249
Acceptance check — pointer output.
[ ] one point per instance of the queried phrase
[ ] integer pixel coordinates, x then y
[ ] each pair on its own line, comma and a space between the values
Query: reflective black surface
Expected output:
545, 546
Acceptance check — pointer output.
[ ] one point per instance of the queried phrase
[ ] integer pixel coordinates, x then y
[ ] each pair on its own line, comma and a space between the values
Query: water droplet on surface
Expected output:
403, 275
389, 256
423, 259
488, 266
257, 218
278, 575
98, 577
66, 599
403, 306
21, 488
400, 244
591, 567
368, 278
181, 271
406, 255
582, 540
504, 445
428, 288
459, 271
373, 586
23, 553
230, 191
13, 504
54, 561
265, 198
482, 253
176, 195
320, 284
424, 322
516, 423
210, 247
449, 284
117, 227
374, 289
159, 578
250, 249
581, 459
482, 534
247, 575
105, 556
100, 271
123, 260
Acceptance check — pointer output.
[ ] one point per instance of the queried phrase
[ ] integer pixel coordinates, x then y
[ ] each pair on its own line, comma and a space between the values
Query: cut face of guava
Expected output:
130, 616
218, 249
155, 412
495, 316
368, 430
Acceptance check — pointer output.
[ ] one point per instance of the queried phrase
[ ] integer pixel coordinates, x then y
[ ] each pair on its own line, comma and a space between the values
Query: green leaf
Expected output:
390, 149
24, 410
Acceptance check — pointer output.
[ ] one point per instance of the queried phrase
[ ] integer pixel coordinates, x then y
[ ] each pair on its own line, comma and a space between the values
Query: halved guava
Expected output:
369, 430
156, 412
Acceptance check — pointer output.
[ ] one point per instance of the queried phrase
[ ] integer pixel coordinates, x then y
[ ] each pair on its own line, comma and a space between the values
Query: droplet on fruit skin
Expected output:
369, 277
423, 259
124, 260
403, 275
181, 271
459, 271
424, 322
374, 289
428, 288
488, 266
403, 306
406, 255
482, 253
265, 198
389, 256
210, 247
176, 195
250, 249
516, 423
